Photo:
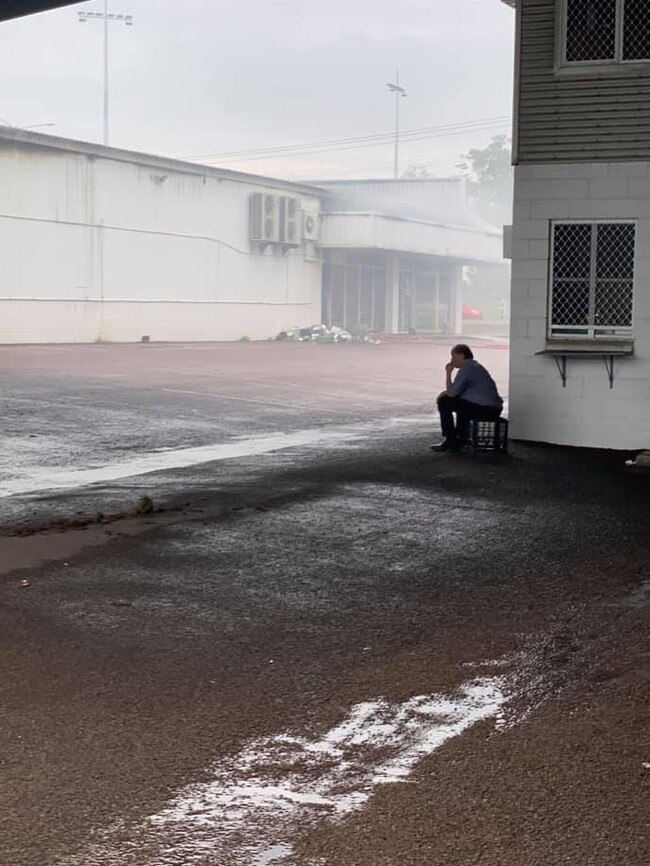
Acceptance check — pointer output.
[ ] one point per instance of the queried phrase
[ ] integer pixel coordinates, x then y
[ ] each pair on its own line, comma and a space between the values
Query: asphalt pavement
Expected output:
314, 642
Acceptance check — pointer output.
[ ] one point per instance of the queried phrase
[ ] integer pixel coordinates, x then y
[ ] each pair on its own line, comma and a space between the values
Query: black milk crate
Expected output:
489, 435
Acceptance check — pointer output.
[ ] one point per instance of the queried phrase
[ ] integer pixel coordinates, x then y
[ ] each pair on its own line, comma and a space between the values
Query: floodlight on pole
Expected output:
399, 92
106, 17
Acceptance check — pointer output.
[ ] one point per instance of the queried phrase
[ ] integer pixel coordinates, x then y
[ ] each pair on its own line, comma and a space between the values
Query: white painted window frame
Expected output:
594, 65
593, 333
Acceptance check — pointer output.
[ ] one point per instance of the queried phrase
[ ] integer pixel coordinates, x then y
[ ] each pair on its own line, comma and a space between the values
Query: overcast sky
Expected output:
203, 78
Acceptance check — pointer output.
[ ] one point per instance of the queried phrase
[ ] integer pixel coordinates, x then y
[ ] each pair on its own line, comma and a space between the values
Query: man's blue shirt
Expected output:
474, 384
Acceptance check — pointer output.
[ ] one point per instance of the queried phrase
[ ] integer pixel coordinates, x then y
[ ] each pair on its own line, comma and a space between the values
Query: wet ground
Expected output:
325, 646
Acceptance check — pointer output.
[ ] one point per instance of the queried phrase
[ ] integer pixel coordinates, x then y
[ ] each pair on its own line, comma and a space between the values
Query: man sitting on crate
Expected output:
471, 395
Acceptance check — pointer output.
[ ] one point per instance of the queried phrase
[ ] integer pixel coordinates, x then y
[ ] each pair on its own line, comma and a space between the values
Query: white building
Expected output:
580, 350
394, 252
101, 244
98, 243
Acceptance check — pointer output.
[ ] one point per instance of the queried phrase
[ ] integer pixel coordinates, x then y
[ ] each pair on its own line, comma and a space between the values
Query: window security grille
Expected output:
636, 30
607, 31
591, 30
592, 279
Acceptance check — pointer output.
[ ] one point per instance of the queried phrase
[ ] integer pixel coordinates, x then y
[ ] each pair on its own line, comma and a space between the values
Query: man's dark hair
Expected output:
462, 349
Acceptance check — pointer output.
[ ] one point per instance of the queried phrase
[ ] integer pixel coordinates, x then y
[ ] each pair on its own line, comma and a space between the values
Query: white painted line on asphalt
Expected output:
256, 802
46, 478
40, 479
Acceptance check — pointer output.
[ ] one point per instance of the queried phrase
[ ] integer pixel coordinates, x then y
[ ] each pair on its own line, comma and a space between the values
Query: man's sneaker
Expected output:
446, 445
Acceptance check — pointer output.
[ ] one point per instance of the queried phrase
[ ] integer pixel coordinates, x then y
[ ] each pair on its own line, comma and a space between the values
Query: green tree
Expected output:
490, 179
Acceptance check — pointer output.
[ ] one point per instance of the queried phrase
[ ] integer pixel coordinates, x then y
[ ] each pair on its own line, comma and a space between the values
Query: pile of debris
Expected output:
642, 460
323, 334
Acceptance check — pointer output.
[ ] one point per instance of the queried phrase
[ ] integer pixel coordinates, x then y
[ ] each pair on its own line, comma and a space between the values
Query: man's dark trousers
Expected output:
465, 412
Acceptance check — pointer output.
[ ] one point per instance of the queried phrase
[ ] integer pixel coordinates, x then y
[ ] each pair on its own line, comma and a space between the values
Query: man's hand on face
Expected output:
449, 366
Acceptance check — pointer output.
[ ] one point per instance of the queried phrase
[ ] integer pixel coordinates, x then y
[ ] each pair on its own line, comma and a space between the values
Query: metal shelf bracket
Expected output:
560, 356
560, 363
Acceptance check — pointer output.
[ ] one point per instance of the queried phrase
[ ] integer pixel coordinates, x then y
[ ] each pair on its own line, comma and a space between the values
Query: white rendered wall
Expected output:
98, 249
586, 412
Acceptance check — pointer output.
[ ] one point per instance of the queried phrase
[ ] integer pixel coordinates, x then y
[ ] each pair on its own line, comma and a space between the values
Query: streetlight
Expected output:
398, 91
105, 16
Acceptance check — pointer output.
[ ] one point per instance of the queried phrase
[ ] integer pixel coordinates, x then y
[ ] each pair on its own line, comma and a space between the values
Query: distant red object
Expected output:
472, 313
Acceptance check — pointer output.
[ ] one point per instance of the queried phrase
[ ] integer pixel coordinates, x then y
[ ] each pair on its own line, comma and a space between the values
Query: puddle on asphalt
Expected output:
43, 478
256, 802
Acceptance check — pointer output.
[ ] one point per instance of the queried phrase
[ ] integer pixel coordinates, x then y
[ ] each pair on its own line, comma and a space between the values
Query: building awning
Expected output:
399, 235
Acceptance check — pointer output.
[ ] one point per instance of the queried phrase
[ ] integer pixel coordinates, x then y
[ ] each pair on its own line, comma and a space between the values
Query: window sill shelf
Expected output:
560, 352
589, 346
604, 70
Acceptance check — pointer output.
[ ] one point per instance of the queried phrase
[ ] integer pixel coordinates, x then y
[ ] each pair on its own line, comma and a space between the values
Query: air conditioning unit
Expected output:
264, 218
310, 226
290, 222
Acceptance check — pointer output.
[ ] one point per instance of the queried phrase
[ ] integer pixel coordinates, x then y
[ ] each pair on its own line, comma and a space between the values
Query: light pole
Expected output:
105, 16
398, 91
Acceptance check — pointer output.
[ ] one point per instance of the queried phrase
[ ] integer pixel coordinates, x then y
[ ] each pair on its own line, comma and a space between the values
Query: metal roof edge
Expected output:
491, 232
9, 134
450, 178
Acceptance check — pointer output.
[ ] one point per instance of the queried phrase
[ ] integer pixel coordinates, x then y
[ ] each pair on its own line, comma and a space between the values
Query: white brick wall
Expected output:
586, 412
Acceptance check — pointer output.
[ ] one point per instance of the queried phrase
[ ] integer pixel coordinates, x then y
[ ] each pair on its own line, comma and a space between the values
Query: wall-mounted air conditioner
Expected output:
310, 226
264, 218
290, 222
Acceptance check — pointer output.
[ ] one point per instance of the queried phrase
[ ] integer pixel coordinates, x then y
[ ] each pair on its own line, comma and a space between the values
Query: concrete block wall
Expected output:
587, 412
